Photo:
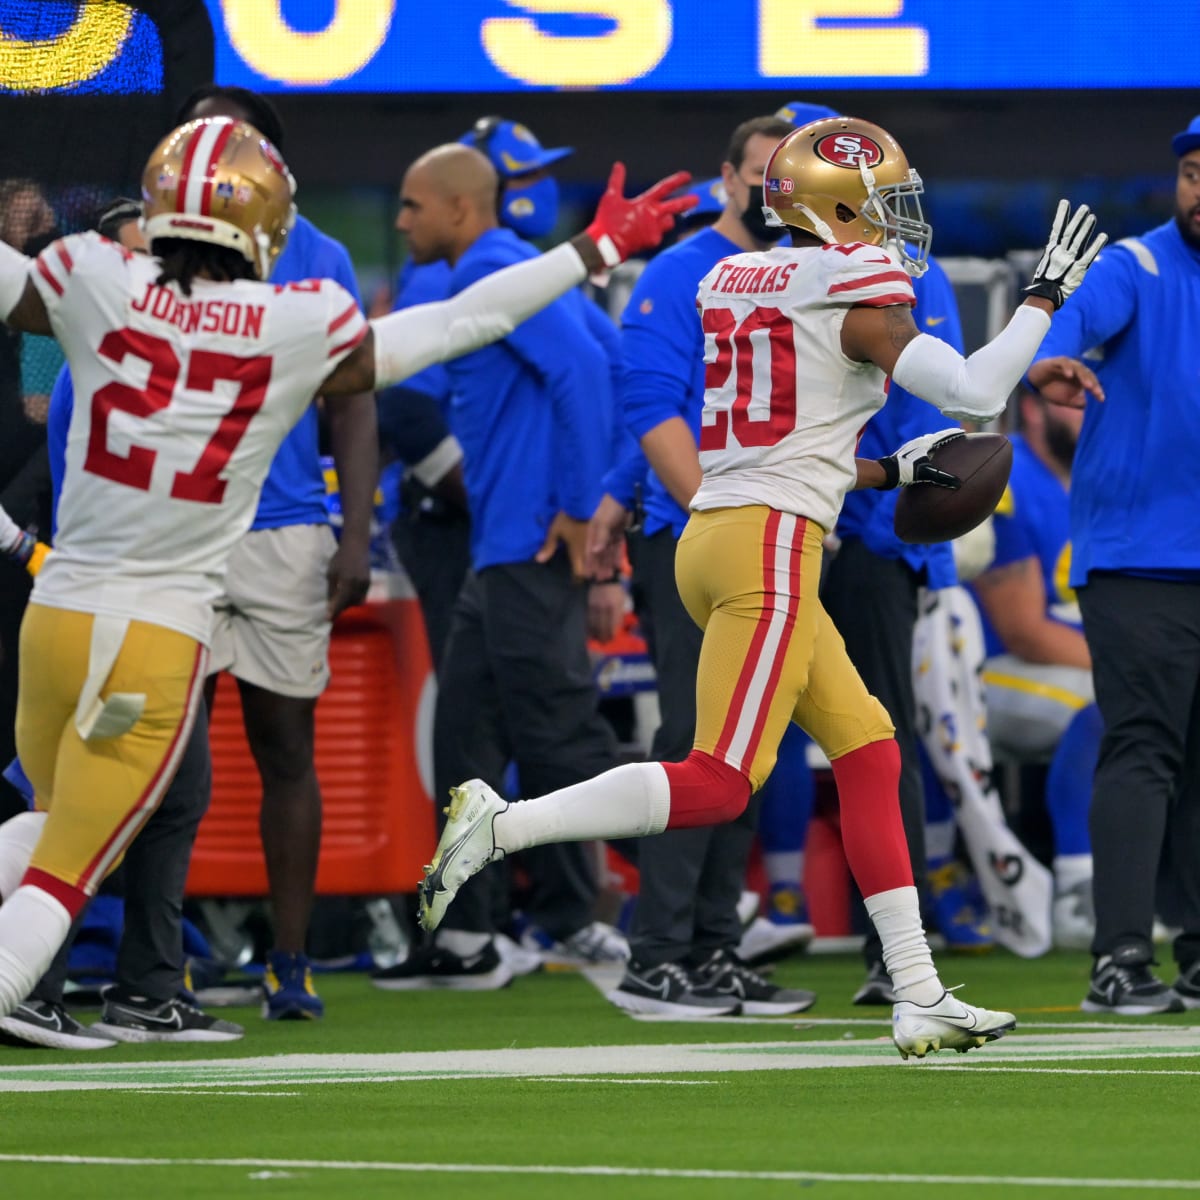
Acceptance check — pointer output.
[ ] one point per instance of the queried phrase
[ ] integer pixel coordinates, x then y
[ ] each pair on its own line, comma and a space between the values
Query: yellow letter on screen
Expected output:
521, 50
80, 52
791, 43
261, 35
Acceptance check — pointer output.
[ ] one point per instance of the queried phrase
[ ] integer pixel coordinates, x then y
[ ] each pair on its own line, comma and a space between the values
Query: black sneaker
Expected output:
668, 990
1187, 986
434, 966
726, 977
130, 1018
1128, 988
40, 1023
877, 988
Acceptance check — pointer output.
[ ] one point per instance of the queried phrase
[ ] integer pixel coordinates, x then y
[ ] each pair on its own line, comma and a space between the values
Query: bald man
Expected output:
533, 414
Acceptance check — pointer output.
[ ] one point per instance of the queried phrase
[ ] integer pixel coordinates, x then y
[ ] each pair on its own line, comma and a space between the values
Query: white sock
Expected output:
462, 942
1069, 869
32, 927
629, 801
939, 839
785, 867
18, 836
897, 917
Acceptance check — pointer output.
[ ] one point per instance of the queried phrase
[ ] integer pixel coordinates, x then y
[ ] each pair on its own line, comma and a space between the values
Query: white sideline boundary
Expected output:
290, 1166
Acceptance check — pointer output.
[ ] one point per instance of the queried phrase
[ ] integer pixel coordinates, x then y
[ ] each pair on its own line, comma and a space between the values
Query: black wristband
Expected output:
891, 473
1047, 290
614, 578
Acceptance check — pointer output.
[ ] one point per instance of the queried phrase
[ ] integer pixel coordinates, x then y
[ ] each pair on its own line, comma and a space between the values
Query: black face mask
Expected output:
756, 224
36, 244
1061, 443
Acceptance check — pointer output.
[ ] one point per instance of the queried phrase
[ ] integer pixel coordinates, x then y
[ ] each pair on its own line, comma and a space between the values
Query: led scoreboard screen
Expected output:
396, 46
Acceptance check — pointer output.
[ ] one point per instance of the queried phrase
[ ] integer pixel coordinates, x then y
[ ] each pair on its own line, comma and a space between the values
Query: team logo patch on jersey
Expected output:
646, 307
849, 149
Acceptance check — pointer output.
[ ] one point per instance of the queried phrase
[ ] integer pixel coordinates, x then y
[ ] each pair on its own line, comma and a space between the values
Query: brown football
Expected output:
925, 513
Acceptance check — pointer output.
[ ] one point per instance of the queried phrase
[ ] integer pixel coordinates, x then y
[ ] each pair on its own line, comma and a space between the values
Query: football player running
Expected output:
798, 343
189, 371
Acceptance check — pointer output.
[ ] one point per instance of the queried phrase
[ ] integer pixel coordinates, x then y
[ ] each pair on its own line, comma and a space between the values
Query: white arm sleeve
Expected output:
10, 533
414, 338
445, 456
14, 275
975, 388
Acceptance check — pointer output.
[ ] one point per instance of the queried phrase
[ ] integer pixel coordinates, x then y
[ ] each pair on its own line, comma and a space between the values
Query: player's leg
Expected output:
741, 572
101, 790
279, 646
855, 732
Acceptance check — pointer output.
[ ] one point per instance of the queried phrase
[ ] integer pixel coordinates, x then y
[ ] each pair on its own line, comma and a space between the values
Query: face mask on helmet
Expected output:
895, 209
846, 180
531, 211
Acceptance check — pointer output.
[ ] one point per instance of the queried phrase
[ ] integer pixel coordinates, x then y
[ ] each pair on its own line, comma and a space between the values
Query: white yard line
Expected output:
291, 1165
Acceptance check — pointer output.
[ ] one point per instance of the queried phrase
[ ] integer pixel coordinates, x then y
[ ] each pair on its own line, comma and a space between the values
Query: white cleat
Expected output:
466, 846
947, 1025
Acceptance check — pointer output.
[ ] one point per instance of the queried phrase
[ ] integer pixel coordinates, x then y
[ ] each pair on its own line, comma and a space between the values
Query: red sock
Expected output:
705, 791
73, 899
868, 784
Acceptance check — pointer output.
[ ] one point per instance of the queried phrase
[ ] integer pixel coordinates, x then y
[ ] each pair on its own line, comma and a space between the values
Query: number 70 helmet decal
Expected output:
847, 180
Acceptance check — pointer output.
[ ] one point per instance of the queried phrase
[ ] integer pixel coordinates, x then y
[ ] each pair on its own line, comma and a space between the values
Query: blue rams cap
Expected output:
1187, 141
800, 113
710, 198
511, 147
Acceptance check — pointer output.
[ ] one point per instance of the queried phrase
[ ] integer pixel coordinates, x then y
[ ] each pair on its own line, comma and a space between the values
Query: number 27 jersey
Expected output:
783, 405
180, 404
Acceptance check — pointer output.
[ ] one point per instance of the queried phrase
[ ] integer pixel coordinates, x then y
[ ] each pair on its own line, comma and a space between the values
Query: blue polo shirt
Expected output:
1134, 480
662, 351
294, 491
868, 514
533, 413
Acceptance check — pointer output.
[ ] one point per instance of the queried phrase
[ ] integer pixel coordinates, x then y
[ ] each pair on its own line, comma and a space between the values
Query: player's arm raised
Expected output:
21, 305
977, 388
405, 342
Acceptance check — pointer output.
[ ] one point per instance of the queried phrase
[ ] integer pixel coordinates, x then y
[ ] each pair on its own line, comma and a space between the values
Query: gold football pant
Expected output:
98, 793
770, 654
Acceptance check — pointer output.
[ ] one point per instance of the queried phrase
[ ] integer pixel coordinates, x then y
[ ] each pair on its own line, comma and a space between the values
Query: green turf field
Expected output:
545, 1090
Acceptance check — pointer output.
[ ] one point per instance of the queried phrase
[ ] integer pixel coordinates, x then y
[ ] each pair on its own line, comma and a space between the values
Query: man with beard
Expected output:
1038, 674
1136, 566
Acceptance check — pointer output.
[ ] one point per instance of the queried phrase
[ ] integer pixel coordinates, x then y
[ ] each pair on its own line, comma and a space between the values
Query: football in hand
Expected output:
981, 461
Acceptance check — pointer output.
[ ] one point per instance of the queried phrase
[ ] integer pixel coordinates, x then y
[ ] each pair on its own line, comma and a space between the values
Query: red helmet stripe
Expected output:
210, 170
186, 171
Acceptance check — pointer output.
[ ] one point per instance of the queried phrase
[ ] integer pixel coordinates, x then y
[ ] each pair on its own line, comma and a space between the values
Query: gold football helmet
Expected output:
219, 180
846, 180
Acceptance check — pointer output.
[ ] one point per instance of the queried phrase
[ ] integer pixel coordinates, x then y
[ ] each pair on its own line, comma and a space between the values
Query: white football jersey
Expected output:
180, 404
783, 406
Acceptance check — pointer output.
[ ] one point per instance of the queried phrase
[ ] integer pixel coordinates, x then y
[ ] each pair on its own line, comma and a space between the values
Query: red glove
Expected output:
623, 226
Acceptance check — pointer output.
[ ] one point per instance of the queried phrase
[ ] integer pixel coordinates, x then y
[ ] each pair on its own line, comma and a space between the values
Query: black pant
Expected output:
873, 603
515, 686
1144, 635
150, 958
436, 552
690, 879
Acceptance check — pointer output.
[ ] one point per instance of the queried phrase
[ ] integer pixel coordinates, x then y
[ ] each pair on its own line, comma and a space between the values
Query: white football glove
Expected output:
1067, 256
911, 464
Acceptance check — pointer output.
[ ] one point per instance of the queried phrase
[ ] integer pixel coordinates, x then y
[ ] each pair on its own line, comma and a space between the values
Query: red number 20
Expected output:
203, 483
735, 352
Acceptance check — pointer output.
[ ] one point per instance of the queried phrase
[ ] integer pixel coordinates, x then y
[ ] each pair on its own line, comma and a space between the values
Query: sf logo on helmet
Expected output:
849, 149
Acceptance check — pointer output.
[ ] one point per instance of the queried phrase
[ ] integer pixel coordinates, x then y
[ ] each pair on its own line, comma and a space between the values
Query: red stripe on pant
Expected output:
738, 700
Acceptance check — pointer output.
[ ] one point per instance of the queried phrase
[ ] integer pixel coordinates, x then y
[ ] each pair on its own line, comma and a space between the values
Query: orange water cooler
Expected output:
374, 762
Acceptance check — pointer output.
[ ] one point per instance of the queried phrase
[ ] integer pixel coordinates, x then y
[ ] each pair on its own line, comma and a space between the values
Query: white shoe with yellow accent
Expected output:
466, 846
947, 1025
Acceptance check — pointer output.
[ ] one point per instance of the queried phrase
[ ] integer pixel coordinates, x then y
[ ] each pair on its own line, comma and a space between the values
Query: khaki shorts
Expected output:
269, 626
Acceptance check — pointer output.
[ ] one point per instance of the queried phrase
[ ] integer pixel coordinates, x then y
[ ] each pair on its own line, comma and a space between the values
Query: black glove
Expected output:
911, 463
